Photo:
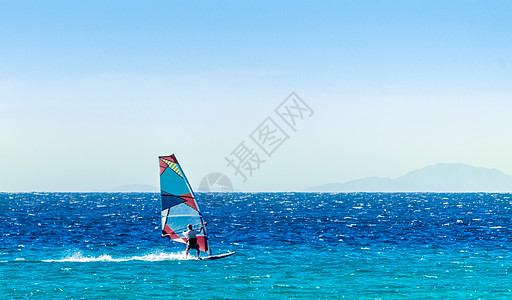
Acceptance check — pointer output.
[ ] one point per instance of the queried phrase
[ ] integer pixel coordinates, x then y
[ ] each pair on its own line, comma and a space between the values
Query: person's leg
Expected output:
197, 252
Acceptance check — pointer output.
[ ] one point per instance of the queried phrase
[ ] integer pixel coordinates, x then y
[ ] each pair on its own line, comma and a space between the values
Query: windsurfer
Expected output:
191, 236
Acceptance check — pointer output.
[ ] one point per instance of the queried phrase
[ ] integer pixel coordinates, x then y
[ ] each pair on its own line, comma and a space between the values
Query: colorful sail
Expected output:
179, 206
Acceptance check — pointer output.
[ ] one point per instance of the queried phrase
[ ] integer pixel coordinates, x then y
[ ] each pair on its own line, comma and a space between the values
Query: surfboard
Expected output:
180, 207
218, 256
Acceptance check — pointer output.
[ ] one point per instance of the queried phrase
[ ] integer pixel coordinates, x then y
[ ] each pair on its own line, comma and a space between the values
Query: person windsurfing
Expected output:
191, 236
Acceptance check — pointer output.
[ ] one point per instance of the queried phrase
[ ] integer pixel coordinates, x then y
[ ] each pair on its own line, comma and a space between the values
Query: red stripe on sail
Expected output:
202, 242
189, 200
171, 234
163, 166
171, 158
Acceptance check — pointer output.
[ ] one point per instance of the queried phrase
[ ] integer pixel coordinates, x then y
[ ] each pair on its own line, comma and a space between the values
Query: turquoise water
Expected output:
288, 246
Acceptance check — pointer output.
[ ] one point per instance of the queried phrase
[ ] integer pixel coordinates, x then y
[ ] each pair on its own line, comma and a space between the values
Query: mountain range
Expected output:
436, 178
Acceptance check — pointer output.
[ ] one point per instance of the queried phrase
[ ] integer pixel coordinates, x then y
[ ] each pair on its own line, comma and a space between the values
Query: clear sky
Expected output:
91, 92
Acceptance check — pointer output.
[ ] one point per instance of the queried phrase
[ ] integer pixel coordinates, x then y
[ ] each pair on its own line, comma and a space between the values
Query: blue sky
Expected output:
92, 91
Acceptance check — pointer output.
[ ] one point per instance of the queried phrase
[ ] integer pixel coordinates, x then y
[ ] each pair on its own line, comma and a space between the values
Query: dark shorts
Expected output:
192, 244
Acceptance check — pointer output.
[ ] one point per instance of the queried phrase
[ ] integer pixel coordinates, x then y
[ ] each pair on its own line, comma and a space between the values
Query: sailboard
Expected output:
180, 208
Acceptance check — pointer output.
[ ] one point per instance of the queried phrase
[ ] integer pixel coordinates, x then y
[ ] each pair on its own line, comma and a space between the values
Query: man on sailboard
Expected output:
191, 236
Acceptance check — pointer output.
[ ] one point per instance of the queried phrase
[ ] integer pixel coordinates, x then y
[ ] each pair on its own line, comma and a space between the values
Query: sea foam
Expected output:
158, 256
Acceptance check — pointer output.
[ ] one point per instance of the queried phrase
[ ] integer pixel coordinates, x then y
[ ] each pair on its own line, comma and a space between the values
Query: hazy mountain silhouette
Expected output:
436, 178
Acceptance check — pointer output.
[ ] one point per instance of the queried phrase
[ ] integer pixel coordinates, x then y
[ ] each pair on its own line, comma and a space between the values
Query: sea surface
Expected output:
288, 246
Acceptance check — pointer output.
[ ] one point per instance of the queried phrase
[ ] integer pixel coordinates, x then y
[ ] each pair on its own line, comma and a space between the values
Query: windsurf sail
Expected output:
179, 206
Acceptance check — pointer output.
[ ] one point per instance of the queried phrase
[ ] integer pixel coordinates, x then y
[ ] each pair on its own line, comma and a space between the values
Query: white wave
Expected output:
158, 256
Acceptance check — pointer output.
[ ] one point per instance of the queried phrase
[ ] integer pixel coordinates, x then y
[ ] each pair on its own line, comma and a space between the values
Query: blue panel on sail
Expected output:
170, 201
172, 183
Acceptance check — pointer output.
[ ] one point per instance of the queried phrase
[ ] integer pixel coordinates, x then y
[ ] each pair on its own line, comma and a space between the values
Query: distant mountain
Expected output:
133, 188
436, 178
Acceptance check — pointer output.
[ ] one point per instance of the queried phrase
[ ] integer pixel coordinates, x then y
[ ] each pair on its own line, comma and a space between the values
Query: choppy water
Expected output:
289, 245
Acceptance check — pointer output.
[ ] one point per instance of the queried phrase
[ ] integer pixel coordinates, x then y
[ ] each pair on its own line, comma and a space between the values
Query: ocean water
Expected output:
288, 246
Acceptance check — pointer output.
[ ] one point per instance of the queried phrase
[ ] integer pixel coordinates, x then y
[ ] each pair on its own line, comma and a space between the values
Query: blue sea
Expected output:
288, 246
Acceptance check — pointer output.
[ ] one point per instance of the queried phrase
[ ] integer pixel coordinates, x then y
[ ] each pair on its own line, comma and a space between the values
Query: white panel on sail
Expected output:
165, 212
